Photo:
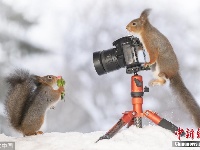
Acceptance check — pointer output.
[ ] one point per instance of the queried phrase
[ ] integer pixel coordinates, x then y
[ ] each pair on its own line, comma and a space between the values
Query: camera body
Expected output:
124, 54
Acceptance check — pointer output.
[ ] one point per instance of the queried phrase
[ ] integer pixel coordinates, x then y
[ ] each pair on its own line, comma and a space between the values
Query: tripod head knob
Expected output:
146, 89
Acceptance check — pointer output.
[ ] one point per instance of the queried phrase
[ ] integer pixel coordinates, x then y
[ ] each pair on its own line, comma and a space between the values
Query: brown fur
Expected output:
185, 97
163, 61
28, 98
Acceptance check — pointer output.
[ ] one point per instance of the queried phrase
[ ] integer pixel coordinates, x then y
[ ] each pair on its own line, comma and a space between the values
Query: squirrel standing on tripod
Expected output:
163, 61
28, 98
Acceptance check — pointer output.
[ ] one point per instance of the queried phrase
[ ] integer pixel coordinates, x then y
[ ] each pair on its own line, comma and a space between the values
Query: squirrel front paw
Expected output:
52, 107
147, 65
61, 89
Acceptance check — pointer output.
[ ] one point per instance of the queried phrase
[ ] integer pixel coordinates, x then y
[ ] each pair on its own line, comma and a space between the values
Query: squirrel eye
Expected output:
49, 77
134, 24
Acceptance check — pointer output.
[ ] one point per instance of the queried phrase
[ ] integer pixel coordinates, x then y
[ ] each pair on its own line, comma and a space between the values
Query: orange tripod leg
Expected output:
126, 118
153, 116
161, 122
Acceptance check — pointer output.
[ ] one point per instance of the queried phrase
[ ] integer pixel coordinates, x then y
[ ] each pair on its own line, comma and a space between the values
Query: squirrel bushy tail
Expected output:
184, 95
21, 85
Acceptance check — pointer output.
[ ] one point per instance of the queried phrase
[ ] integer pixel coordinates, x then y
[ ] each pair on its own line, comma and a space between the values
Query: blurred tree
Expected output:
13, 41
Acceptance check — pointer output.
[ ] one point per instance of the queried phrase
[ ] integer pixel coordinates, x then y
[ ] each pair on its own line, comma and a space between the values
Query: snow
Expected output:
147, 138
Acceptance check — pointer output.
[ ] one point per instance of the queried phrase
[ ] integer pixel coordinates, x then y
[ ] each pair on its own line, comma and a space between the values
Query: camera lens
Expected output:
98, 63
107, 61
123, 54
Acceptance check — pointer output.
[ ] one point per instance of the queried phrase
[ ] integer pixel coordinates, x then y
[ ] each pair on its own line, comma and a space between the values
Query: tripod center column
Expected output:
137, 100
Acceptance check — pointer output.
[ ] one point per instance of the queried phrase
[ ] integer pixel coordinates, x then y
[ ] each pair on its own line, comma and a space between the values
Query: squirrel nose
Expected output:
59, 77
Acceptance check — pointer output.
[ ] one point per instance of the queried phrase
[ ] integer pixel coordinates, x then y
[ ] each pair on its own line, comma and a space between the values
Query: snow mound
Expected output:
147, 138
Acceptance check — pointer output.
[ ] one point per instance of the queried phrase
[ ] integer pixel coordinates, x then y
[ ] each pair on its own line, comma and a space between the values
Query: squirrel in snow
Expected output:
163, 61
28, 98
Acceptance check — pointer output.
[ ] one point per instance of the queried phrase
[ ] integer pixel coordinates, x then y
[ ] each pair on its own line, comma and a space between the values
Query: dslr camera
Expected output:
124, 54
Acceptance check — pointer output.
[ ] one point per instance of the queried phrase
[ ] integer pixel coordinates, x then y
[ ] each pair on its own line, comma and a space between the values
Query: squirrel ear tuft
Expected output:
144, 15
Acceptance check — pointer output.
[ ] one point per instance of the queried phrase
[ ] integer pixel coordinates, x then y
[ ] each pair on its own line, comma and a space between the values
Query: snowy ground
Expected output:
147, 138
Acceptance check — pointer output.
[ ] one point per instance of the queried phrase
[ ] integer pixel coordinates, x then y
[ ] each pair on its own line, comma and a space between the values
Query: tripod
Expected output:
134, 117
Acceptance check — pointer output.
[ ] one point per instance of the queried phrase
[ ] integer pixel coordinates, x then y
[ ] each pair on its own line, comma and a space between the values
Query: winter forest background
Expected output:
59, 37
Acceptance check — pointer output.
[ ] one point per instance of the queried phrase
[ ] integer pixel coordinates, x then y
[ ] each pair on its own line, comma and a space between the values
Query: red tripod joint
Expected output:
128, 116
153, 116
137, 106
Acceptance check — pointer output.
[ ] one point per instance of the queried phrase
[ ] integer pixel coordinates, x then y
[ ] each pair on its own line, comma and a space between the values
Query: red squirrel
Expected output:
28, 98
163, 61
